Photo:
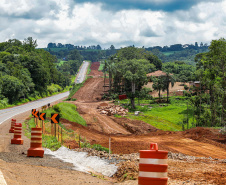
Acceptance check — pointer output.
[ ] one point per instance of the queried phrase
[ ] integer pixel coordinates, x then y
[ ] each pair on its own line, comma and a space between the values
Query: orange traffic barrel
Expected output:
153, 166
17, 134
35, 149
11, 130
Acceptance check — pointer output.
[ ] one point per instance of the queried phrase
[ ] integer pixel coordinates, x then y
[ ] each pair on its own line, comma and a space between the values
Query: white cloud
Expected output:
88, 23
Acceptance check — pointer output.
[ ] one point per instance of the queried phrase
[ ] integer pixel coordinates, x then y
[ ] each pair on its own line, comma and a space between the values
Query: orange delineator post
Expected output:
153, 166
17, 134
35, 149
11, 130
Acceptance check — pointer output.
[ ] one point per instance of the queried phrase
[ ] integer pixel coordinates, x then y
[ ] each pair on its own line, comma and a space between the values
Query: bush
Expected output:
57, 108
97, 147
100, 148
186, 87
50, 142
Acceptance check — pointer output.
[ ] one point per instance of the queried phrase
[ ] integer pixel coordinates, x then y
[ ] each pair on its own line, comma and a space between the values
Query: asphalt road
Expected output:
6, 114
81, 75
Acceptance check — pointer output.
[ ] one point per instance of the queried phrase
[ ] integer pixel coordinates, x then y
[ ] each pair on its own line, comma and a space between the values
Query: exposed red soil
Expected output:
127, 136
91, 91
94, 69
130, 136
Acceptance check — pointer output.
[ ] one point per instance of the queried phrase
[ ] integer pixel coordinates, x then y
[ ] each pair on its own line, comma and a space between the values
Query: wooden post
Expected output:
61, 136
109, 145
187, 117
79, 140
58, 132
43, 127
55, 128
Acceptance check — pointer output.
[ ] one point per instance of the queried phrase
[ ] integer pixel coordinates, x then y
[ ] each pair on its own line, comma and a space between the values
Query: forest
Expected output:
27, 73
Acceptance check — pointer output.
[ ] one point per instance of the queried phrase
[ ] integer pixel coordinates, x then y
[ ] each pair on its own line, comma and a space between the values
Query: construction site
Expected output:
196, 156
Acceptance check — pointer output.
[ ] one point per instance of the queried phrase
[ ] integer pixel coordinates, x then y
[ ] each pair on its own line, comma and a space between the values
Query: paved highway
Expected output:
6, 114
81, 76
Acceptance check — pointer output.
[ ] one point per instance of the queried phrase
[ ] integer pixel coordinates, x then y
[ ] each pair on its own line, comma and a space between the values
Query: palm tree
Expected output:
111, 70
158, 84
105, 70
167, 80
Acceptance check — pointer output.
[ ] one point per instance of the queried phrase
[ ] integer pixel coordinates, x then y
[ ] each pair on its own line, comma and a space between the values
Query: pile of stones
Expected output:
112, 109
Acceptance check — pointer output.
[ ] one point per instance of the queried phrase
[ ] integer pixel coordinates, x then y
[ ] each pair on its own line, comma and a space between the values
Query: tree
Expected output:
134, 71
112, 47
12, 88
158, 84
30, 44
168, 79
212, 76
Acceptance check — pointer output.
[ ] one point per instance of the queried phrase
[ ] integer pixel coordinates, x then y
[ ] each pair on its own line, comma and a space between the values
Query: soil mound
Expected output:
103, 105
135, 126
205, 134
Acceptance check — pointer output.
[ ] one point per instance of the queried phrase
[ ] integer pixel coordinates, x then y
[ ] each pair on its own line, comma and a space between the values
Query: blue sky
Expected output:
118, 22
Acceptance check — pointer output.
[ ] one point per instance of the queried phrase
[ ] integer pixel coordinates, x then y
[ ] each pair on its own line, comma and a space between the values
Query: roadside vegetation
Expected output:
167, 117
28, 74
127, 71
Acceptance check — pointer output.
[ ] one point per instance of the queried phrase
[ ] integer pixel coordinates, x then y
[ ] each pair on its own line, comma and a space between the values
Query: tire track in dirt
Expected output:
180, 142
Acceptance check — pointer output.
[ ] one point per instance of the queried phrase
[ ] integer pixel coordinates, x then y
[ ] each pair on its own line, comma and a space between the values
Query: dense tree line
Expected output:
210, 99
179, 47
28, 72
182, 71
93, 55
127, 71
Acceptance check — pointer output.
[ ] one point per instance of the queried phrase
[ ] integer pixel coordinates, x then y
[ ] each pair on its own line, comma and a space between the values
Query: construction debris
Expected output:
112, 109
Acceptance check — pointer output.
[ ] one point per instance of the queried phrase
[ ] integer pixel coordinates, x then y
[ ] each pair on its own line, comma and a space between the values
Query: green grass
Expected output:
50, 142
88, 70
67, 111
162, 116
101, 66
74, 89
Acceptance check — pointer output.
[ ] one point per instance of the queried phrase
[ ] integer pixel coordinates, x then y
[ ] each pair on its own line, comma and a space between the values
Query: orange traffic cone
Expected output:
11, 130
17, 134
35, 149
153, 166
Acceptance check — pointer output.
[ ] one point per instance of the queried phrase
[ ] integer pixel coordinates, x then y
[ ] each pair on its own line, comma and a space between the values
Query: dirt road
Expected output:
127, 136
199, 142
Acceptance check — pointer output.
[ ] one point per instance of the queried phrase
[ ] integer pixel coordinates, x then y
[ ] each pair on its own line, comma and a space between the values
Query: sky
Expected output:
120, 23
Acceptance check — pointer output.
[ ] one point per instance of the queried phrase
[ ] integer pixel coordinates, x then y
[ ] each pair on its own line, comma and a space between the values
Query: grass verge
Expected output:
167, 117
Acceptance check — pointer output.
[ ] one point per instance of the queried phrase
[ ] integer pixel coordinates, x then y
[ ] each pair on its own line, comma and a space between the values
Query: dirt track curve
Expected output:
124, 141
127, 136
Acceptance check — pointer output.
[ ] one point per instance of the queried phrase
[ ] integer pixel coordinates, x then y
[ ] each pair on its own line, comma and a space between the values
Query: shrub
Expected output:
57, 108
186, 87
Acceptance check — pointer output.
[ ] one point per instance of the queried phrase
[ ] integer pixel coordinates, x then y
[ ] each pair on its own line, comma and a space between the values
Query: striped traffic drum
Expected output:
17, 134
11, 130
153, 166
35, 149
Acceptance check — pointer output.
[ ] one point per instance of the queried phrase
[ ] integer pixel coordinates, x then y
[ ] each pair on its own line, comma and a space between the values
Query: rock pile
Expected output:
112, 109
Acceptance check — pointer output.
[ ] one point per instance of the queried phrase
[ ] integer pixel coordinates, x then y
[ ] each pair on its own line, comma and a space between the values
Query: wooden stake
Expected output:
79, 140
58, 132
55, 129
61, 136
109, 145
